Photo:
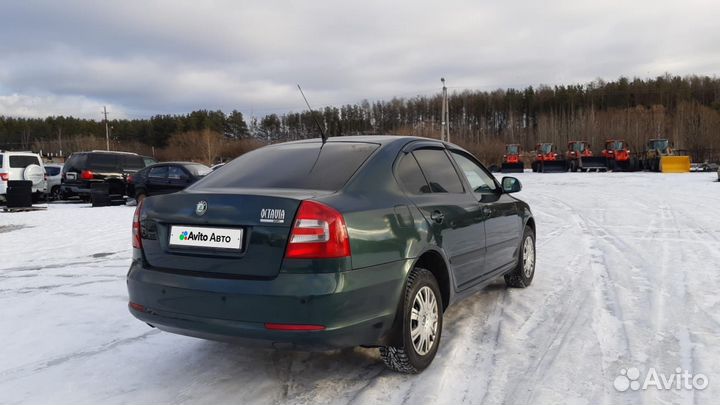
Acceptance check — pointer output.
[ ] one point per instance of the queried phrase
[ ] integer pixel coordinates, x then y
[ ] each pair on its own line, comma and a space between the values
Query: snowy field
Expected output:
628, 275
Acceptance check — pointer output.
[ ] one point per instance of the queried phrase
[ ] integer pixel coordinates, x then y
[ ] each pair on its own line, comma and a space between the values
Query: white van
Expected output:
22, 166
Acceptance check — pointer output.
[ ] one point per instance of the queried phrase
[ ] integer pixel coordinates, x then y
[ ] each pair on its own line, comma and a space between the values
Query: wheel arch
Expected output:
531, 223
436, 262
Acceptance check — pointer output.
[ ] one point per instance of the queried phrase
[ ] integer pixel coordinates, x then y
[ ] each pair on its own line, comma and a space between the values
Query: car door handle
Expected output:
437, 216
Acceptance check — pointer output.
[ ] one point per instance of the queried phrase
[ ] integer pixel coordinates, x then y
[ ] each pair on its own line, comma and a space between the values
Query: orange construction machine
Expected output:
618, 155
548, 160
580, 157
511, 160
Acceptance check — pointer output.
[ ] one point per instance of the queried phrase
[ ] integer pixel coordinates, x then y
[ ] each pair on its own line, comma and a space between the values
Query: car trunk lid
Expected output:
263, 217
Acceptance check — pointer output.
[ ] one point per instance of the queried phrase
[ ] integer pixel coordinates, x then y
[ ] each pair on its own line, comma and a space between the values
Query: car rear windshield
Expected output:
198, 169
23, 161
52, 170
304, 166
114, 162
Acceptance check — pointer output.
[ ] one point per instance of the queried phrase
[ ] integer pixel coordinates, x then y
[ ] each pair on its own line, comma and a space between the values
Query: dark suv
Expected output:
84, 168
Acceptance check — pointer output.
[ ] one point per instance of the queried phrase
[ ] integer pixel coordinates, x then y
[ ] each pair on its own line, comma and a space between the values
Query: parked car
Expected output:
84, 168
53, 173
163, 178
22, 166
362, 241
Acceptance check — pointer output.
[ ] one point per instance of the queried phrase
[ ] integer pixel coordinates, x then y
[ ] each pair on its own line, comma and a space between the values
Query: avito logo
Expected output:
199, 236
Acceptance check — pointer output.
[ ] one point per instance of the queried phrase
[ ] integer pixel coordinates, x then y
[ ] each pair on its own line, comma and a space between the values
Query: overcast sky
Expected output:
146, 57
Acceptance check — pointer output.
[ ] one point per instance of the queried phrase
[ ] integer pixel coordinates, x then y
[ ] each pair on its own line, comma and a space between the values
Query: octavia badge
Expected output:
201, 207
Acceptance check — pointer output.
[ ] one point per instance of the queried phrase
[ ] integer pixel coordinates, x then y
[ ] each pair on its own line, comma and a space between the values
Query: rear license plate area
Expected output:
201, 237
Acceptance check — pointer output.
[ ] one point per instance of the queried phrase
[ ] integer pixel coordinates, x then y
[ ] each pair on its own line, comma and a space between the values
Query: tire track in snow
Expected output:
28, 369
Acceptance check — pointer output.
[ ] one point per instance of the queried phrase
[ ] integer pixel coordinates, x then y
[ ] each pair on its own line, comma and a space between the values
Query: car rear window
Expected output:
198, 170
75, 163
22, 161
132, 162
52, 170
439, 170
103, 161
304, 166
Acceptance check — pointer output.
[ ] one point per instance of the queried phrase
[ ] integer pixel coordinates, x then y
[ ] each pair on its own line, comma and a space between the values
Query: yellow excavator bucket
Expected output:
675, 164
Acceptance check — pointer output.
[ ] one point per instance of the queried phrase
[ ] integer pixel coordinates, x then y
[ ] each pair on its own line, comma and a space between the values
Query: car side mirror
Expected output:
511, 185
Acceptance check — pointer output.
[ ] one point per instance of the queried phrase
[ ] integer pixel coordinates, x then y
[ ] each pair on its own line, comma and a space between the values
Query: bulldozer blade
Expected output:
675, 164
594, 162
557, 166
512, 167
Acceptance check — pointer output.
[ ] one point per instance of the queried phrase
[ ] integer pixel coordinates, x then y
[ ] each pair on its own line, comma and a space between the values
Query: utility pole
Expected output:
107, 130
445, 119
60, 141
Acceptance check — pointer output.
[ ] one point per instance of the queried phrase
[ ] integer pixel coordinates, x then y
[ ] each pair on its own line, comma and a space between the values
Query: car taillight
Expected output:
319, 232
86, 175
4, 176
136, 231
130, 179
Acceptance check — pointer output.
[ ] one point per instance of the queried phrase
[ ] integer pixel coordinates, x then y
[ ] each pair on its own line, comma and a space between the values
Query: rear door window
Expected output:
409, 175
159, 172
177, 173
52, 170
438, 169
23, 161
295, 166
104, 161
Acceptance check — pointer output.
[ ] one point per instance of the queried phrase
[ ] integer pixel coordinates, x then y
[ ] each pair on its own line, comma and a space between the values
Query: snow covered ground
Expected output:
628, 275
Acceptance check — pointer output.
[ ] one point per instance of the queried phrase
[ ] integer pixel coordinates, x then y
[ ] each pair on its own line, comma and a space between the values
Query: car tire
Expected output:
412, 356
56, 193
522, 275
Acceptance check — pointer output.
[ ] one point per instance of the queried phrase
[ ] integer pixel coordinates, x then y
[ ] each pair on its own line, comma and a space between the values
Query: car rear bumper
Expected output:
356, 307
73, 191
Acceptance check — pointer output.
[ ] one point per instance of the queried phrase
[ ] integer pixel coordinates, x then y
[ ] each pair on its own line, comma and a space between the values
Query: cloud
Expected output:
19, 105
175, 56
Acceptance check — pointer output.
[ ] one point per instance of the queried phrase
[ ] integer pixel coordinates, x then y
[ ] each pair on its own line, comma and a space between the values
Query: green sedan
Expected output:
356, 241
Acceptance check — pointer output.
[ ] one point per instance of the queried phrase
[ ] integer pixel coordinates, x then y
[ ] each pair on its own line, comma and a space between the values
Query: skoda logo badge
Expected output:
201, 207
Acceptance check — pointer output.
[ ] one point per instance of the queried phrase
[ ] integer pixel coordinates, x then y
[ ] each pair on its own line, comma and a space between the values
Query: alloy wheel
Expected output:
528, 257
424, 320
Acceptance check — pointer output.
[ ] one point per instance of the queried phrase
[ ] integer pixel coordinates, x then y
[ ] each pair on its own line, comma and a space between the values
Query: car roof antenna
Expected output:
322, 133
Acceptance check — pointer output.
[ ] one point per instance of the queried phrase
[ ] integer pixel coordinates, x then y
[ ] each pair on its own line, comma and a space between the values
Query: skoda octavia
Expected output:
356, 241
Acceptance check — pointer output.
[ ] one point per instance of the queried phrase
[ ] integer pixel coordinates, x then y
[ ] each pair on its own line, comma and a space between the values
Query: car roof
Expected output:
379, 139
107, 152
382, 140
21, 153
176, 163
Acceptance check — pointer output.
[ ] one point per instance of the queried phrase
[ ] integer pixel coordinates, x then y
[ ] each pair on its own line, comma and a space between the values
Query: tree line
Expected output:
683, 109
